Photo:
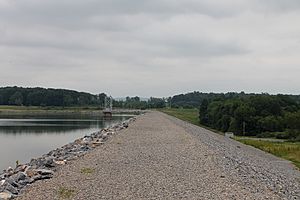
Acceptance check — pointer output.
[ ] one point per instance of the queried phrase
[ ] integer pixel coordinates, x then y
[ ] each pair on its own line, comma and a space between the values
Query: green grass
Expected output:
287, 150
38, 110
87, 170
65, 193
8, 111
2, 107
188, 115
46, 108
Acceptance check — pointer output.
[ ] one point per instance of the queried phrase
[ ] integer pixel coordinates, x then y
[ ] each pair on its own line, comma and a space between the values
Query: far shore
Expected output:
38, 110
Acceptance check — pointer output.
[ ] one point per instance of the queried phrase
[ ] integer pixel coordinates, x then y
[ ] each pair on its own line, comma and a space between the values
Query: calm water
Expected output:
23, 138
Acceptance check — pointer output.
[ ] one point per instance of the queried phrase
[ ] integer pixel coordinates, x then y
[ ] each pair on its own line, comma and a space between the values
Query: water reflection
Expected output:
22, 138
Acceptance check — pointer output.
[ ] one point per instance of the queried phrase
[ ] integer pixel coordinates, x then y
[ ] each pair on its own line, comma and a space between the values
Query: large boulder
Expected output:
49, 162
18, 177
5, 196
8, 187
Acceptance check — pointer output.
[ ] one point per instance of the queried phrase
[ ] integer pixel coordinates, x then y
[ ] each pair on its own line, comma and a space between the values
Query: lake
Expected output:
26, 137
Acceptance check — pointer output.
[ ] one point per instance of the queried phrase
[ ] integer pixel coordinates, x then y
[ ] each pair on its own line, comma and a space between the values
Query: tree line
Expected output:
19, 96
48, 97
261, 115
137, 103
194, 99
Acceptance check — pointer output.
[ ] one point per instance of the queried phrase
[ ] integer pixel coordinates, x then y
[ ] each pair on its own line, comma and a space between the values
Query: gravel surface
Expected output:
161, 157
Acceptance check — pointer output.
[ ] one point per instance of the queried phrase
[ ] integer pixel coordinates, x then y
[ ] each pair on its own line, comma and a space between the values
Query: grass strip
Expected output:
188, 115
287, 150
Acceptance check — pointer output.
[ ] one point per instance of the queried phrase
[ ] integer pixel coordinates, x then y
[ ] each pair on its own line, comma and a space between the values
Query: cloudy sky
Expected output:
151, 47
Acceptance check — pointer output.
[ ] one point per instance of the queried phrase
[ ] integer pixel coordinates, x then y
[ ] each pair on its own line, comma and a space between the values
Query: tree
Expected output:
36, 98
225, 123
293, 123
203, 113
1, 100
293, 120
233, 125
243, 115
45, 97
254, 114
83, 100
16, 99
156, 102
214, 114
102, 97
265, 105
68, 100
271, 124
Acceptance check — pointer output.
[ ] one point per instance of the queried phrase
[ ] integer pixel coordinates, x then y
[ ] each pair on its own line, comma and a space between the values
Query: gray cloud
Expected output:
158, 47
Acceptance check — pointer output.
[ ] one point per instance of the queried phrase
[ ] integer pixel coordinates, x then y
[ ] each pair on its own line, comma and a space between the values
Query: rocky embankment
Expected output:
13, 181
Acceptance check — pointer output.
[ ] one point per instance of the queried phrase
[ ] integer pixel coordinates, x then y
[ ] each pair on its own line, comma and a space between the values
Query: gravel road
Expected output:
161, 157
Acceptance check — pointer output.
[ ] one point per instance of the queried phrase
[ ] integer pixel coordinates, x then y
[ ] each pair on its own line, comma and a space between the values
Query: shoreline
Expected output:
63, 111
14, 180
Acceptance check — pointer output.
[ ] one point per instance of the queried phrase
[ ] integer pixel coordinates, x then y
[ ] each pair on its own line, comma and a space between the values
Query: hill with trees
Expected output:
261, 115
194, 99
19, 96
47, 97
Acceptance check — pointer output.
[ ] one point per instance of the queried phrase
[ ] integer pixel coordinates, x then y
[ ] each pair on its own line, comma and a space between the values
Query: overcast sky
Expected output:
151, 48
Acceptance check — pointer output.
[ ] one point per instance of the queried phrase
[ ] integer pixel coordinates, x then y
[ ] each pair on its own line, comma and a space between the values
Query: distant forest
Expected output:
261, 115
20, 96
137, 103
47, 97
